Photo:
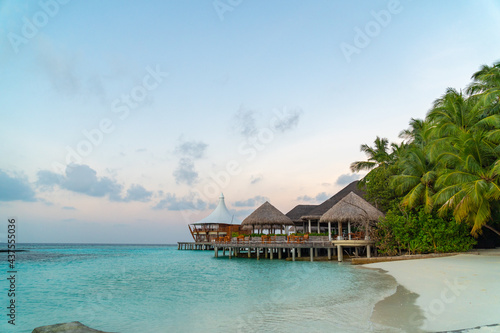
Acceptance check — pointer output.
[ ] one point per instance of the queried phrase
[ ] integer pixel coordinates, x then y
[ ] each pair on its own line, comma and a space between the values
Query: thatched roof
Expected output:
298, 211
352, 208
321, 209
267, 214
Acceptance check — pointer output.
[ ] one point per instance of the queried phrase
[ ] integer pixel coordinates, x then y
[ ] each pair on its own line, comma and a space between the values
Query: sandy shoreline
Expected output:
443, 294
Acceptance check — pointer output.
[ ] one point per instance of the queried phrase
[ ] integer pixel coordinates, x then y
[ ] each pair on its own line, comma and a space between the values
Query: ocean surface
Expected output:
138, 288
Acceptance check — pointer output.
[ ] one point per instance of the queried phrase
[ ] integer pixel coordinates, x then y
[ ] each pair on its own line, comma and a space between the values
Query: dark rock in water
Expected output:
73, 327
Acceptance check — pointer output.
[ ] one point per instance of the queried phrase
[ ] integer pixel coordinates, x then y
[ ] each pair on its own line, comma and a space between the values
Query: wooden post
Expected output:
339, 253
223, 251
312, 253
216, 252
293, 254
316, 252
329, 231
368, 250
258, 253
230, 250
309, 226
356, 251
272, 250
249, 252
279, 253
329, 250
349, 229
340, 230
299, 252
318, 227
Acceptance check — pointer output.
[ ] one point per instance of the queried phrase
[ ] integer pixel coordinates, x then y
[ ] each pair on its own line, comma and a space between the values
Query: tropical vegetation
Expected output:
443, 179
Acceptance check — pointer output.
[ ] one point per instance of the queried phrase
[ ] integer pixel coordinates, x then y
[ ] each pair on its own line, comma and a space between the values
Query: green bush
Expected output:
419, 232
316, 234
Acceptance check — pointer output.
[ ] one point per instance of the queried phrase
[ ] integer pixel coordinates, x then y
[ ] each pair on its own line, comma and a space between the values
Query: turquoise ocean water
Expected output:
135, 288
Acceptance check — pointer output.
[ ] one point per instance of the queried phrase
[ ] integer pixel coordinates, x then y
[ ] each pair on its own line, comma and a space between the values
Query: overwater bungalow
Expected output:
267, 218
343, 221
307, 217
220, 223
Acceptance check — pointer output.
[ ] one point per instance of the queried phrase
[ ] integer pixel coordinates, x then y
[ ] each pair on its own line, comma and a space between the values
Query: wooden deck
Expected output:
331, 250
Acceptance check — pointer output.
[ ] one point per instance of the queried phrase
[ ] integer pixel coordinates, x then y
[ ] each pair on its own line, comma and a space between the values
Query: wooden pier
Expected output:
195, 246
331, 250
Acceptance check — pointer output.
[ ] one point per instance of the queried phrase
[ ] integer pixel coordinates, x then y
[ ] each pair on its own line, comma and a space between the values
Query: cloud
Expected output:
244, 123
347, 178
255, 179
141, 150
252, 202
59, 66
138, 193
188, 202
69, 208
192, 149
185, 172
318, 198
14, 188
83, 179
243, 213
288, 121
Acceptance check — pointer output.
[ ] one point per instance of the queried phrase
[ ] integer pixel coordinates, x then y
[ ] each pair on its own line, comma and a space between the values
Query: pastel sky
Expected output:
122, 121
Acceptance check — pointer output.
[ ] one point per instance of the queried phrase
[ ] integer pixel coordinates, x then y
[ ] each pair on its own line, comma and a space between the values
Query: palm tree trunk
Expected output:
492, 229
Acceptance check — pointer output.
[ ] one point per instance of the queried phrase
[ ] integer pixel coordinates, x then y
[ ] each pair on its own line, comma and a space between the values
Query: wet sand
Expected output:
443, 294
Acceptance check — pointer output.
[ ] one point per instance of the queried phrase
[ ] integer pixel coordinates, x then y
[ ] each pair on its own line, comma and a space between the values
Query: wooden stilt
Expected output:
339, 253
293, 254
312, 252
258, 253
329, 251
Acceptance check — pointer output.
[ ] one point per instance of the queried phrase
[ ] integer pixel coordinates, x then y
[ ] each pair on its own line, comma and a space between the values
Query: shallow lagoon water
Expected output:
135, 288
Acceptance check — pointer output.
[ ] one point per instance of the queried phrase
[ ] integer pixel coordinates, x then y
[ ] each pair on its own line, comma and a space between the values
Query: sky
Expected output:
123, 121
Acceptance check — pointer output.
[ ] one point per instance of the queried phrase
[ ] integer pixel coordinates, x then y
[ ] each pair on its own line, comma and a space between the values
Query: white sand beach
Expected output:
457, 292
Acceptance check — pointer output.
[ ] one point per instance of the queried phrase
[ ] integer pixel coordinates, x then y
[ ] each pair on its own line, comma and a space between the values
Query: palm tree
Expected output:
416, 133
378, 156
486, 84
416, 179
470, 184
455, 114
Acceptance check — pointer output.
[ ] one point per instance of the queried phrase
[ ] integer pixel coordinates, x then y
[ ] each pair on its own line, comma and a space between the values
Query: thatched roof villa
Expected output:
335, 217
308, 218
267, 217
